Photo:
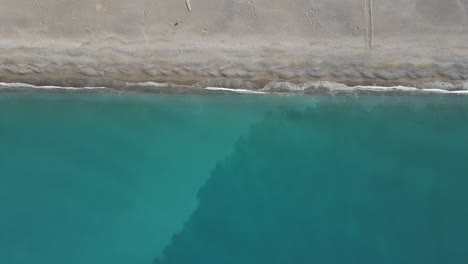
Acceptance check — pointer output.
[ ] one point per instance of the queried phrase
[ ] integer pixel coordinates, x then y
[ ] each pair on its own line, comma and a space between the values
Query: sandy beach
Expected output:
354, 42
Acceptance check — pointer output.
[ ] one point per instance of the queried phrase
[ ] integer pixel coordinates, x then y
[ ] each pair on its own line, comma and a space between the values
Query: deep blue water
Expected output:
170, 179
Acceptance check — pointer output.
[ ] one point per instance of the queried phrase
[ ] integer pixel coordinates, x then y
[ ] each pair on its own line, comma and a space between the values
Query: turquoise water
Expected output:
140, 178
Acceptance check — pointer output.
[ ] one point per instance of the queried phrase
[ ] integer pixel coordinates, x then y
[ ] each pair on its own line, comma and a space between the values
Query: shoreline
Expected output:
227, 86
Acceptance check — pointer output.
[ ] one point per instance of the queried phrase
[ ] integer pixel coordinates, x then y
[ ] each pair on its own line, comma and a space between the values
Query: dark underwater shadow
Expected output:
337, 184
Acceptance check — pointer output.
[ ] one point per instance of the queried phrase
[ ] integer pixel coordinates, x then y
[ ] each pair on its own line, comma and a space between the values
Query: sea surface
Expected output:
134, 178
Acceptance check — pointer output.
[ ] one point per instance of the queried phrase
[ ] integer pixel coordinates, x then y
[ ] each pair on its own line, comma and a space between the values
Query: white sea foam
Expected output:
234, 90
30, 86
408, 89
385, 88
445, 91
332, 86
273, 87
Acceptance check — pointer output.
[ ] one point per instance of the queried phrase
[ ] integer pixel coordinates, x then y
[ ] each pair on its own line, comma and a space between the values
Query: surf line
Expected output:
234, 90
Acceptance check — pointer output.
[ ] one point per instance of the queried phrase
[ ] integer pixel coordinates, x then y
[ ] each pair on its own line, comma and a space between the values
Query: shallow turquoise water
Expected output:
139, 178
